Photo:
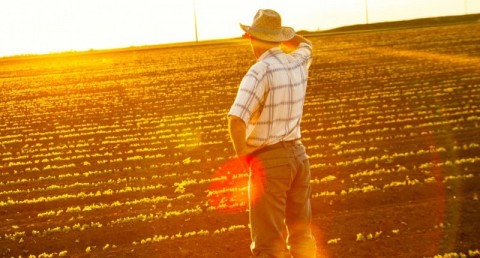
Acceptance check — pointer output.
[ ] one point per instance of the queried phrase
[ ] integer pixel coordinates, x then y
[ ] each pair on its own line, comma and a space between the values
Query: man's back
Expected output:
273, 93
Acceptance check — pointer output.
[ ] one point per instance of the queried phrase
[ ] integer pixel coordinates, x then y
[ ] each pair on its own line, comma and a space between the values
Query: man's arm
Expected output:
293, 43
237, 130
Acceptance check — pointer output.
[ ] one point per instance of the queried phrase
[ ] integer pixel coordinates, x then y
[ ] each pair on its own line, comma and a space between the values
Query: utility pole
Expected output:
466, 6
195, 19
366, 11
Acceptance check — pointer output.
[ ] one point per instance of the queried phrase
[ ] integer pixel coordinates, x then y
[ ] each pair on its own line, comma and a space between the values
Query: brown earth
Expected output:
391, 123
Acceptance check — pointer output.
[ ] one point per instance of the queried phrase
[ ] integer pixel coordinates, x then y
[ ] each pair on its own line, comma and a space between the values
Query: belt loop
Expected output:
284, 144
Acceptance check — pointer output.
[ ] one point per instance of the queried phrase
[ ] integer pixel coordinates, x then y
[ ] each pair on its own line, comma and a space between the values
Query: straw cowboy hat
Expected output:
267, 26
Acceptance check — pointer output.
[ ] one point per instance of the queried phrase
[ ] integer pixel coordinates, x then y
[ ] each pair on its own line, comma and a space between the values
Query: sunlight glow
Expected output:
58, 25
31, 26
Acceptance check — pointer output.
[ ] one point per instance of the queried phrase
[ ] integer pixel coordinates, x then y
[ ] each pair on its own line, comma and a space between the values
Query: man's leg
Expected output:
299, 214
270, 178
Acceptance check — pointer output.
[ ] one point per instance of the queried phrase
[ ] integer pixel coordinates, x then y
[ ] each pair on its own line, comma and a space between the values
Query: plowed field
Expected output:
127, 154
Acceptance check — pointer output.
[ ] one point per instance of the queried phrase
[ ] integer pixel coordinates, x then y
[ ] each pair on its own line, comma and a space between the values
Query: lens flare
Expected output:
229, 193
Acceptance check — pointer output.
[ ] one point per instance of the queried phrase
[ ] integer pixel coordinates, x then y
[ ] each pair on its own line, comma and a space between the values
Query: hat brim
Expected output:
286, 33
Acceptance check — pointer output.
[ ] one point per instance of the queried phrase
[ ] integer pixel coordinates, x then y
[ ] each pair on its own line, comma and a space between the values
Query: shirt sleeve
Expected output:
303, 53
250, 93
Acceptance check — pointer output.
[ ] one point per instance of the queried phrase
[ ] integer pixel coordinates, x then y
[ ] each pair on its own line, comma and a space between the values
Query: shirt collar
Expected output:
271, 52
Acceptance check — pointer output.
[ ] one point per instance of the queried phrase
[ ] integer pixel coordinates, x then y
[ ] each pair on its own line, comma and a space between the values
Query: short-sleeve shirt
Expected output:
271, 96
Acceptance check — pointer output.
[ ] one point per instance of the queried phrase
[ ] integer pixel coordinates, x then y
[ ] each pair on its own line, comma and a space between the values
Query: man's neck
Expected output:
260, 47
259, 52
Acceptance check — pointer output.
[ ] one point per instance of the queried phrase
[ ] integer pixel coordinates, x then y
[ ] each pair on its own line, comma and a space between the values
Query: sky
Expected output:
44, 26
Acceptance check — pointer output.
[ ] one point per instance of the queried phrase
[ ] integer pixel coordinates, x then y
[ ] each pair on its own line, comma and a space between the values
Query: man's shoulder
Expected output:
304, 48
303, 53
259, 67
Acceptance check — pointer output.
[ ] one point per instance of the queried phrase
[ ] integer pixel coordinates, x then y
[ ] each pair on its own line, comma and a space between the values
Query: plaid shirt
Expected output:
271, 96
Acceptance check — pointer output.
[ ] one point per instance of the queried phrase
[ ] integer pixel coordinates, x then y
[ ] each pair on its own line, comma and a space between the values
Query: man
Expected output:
264, 125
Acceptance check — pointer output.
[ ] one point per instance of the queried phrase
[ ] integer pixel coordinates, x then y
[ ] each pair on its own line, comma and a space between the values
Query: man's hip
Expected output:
294, 148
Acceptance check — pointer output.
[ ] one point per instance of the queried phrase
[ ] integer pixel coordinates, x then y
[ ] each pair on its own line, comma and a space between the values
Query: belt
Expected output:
277, 145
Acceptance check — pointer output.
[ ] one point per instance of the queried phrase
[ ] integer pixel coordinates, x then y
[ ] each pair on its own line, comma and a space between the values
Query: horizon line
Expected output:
336, 30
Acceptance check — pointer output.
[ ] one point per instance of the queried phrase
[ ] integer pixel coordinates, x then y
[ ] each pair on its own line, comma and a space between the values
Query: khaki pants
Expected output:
279, 202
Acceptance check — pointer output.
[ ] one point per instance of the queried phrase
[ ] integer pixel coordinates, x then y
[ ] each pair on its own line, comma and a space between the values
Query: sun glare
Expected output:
56, 25
29, 26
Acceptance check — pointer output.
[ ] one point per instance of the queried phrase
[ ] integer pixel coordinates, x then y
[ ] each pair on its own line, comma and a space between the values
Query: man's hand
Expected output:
243, 156
293, 43
247, 150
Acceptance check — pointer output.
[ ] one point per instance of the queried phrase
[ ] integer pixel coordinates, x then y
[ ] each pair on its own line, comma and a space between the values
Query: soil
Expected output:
101, 152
